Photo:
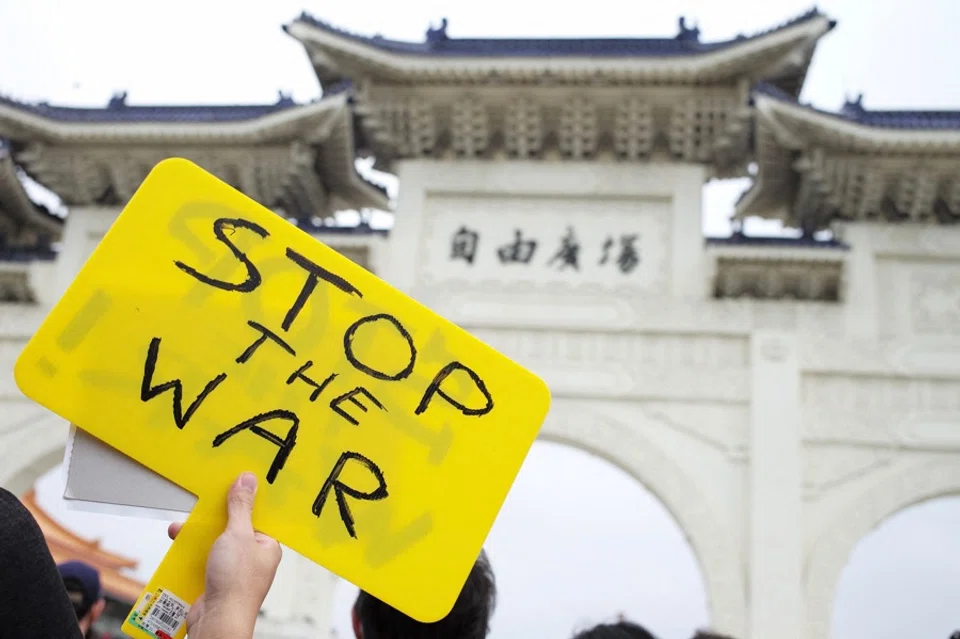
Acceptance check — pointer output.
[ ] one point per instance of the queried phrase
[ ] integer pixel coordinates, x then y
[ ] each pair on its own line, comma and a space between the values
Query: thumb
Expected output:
240, 503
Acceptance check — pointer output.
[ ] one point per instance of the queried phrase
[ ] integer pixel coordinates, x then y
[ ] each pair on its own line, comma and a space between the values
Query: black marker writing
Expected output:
315, 273
434, 388
253, 275
148, 391
341, 490
349, 335
351, 396
253, 425
265, 334
317, 388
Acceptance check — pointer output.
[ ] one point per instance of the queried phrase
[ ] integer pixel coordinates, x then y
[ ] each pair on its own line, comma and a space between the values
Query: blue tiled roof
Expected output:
738, 239
26, 254
118, 111
854, 111
437, 43
357, 229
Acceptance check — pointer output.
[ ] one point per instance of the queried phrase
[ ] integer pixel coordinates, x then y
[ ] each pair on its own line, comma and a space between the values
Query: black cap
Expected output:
83, 585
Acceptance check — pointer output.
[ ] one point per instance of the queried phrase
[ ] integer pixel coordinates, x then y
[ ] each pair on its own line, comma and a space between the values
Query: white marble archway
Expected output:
901, 486
707, 531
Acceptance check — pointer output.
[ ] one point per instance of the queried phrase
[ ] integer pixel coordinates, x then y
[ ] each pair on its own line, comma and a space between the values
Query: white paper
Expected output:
103, 480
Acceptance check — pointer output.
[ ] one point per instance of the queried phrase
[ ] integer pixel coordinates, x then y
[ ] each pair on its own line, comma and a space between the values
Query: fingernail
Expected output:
248, 481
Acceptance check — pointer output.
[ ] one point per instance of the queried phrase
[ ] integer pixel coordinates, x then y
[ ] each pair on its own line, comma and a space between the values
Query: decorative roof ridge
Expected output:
437, 41
854, 108
854, 112
117, 110
811, 14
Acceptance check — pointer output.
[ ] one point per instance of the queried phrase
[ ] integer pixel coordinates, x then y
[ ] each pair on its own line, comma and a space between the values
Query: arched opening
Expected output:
865, 515
578, 542
903, 578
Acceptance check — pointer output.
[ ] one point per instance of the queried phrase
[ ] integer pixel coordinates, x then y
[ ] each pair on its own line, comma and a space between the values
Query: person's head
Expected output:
83, 587
469, 618
706, 634
619, 630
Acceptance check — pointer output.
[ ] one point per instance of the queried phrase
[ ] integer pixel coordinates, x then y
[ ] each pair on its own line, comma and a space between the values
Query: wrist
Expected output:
225, 621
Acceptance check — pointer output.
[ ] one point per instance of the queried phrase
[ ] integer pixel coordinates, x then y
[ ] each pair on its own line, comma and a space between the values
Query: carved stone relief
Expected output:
826, 467
629, 365
633, 130
578, 129
879, 410
469, 127
720, 426
919, 241
523, 128
15, 286
411, 123
935, 299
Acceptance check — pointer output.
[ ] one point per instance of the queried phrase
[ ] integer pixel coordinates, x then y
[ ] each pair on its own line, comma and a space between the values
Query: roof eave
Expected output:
19, 123
326, 45
19, 203
758, 201
369, 196
785, 118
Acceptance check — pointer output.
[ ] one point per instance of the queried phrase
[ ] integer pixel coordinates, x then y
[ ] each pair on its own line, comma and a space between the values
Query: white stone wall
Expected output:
777, 433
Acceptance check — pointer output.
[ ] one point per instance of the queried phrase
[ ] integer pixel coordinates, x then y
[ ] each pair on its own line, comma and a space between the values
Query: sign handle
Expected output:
161, 610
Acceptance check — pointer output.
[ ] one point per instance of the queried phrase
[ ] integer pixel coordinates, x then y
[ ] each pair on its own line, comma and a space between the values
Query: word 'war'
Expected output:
347, 405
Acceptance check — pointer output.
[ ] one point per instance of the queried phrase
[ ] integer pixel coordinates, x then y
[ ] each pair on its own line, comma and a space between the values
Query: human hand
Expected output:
240, 570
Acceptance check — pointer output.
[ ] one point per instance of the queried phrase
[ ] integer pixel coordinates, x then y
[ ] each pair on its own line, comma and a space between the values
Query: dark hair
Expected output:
619, 630
706, 634
469, 618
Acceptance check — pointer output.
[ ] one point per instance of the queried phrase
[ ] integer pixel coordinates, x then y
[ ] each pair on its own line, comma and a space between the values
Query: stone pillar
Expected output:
401, 261
775, 533
860, 286
689, 263
83, 229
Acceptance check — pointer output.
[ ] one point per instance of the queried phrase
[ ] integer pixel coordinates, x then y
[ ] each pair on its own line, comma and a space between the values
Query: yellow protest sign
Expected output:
206, 336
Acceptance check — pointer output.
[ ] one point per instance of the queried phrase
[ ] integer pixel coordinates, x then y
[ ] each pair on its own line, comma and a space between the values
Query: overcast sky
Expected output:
559, 567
